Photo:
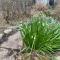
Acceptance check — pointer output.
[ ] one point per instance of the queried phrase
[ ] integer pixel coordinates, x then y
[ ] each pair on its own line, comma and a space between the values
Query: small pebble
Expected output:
1, 35
7, 31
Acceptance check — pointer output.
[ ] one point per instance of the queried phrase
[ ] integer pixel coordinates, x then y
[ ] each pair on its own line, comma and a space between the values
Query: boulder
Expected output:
13, 41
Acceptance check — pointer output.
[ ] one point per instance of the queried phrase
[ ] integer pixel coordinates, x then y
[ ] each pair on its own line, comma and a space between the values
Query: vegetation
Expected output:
41, 34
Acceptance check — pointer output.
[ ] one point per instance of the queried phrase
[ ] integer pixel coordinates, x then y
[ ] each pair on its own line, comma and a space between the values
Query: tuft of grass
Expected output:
41, 34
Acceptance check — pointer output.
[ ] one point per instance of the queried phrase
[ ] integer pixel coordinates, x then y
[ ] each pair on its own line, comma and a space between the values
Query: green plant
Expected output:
41, 34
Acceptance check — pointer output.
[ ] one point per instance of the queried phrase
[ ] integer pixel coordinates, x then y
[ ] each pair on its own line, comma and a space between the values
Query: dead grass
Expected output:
29, 56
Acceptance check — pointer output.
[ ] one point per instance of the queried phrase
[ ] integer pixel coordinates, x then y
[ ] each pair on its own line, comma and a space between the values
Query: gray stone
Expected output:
1, 35
57, 57
14, 41
7, 31
12, 27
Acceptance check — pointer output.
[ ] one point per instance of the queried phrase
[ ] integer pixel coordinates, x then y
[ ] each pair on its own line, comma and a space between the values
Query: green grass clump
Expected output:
41, 34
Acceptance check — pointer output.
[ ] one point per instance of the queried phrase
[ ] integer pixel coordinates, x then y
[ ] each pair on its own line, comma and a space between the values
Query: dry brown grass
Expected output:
38, 7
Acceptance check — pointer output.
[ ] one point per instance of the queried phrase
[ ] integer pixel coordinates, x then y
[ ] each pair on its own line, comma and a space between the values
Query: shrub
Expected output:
41, 34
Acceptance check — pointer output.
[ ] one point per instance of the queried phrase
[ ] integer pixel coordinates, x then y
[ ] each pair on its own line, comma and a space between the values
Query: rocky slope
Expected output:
10, 44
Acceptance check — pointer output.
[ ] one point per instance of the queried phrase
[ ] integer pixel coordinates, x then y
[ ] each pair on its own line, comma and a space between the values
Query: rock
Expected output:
1, 38
7, 31
1, 35
57, 58
12, 27
3, 55
14, 41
